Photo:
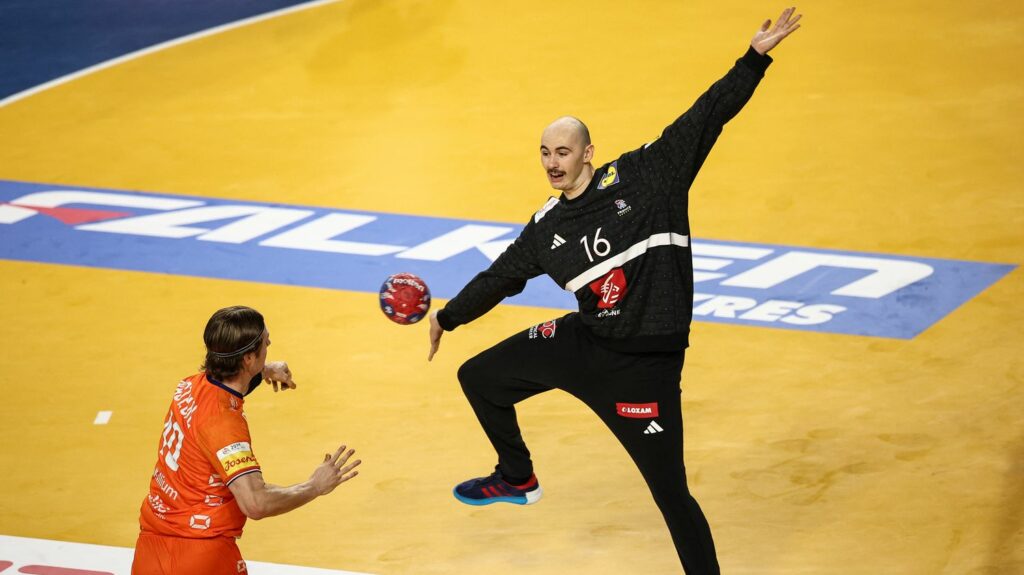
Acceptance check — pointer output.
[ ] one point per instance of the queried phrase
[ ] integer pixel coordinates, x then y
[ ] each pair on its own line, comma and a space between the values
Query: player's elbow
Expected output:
253, 504
251, 495
253, 510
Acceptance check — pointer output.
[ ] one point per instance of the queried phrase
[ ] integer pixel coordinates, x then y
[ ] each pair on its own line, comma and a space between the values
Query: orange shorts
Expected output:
160, 555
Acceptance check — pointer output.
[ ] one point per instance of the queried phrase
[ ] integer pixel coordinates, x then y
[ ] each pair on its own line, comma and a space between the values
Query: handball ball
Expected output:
404, 298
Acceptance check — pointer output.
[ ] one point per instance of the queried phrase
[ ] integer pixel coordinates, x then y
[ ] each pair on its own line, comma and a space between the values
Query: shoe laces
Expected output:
496, 476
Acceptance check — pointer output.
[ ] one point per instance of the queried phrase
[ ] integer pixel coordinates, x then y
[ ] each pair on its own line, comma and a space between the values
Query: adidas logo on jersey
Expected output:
653, 428
559, 240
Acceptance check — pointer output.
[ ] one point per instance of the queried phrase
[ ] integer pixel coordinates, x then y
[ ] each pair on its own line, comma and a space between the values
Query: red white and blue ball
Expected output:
404, 298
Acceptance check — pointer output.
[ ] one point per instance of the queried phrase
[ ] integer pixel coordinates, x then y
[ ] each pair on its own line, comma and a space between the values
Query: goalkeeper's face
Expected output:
565, 154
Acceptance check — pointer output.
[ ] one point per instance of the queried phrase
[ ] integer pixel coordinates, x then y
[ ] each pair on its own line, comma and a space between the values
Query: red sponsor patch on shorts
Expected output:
637, 410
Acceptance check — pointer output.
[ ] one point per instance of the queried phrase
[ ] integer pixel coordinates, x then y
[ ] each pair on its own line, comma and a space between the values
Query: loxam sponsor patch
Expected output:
637, 410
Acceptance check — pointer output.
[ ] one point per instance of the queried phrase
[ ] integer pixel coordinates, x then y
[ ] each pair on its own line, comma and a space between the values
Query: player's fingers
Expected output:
274, 383
765, 25
345, 478
350, 466
782, 18
344, 458
337, 454
435, 344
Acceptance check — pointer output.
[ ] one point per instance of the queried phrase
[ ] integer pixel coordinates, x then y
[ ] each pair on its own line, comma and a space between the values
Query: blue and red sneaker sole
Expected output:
474, 494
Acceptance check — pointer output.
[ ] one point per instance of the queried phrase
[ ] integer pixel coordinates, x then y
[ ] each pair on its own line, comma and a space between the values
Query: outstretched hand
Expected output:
277, 374
436, 331
766, 39
334, 471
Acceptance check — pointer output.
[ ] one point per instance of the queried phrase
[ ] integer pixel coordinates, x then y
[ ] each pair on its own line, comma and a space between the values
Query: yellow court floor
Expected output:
881, 127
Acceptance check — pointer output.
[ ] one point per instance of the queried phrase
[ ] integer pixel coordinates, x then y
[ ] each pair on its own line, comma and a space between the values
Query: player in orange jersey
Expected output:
207, 479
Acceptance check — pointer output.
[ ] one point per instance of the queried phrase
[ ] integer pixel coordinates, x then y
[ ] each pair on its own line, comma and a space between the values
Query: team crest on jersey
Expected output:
611, 177
623, 207
545, 330
610, 289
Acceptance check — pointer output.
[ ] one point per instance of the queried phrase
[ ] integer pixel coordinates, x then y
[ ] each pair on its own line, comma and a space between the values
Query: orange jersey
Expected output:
204, 447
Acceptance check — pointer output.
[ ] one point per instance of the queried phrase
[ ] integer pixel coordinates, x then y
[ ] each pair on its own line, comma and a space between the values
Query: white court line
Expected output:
102, 418
23, 551
162, 46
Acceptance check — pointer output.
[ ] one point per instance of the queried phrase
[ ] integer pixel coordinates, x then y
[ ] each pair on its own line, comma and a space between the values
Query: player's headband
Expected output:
249, 347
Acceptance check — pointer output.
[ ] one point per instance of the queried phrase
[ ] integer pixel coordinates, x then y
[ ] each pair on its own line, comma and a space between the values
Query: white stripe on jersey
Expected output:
232, 480
552, 202
636, 250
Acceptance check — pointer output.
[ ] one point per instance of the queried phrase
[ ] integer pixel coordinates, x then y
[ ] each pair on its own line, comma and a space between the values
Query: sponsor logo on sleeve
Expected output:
611, 177
637, 410
545, 330
237, 457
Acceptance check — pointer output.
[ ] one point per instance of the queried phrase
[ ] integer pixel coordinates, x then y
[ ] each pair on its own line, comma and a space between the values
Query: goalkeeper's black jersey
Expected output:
623, 245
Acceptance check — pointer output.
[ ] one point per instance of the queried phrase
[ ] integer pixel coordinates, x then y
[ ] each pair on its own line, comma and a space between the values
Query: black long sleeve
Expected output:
671, 162
506, 277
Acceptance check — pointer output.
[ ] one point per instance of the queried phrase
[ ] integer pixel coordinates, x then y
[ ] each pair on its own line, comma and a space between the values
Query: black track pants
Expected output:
636, 395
